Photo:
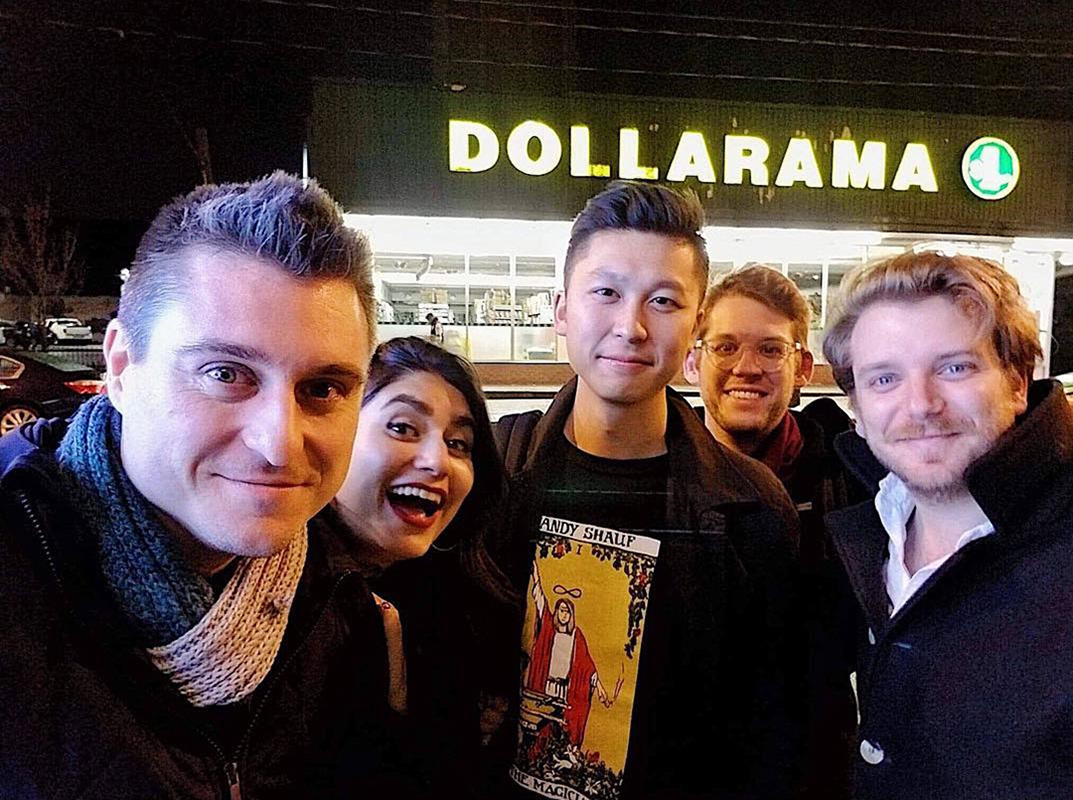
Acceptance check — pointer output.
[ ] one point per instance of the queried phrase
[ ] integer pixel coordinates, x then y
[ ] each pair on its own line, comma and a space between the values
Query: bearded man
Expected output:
963, 564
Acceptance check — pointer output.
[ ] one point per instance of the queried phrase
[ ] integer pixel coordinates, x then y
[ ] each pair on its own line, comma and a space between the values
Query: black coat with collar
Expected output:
718, 707
967, 692
83, 713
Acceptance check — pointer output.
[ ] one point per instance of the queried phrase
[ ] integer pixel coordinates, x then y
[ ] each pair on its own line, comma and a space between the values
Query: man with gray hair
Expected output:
169, 624
963, 564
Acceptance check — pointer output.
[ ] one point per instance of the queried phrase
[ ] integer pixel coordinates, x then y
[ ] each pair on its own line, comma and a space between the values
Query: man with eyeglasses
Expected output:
750, 358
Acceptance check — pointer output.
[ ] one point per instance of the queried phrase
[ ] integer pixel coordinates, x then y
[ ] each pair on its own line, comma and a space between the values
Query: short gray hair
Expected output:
285, 221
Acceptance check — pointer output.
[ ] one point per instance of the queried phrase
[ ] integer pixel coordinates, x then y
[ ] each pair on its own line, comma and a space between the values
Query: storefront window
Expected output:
717, 269
535, 338
535, 266
489, 265
491, 283
808, 278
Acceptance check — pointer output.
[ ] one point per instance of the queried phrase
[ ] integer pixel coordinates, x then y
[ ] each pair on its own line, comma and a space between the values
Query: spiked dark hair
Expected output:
646, 207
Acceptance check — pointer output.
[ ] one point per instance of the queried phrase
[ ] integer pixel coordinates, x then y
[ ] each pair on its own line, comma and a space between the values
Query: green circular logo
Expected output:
990, 168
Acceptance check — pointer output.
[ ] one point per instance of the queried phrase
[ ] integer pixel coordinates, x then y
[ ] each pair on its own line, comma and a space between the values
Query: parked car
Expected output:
98, 325
67, 329
27, 336
36, 385
7, 326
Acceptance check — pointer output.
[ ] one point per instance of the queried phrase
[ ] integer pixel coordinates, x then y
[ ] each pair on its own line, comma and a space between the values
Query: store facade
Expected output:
468, 197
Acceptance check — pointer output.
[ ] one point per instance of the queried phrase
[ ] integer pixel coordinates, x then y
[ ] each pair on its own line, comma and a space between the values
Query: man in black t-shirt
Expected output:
674, 676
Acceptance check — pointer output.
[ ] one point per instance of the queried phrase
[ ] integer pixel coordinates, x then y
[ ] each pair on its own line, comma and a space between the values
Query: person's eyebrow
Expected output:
416, 403
420, 406
466, 421
614, 275
224, 348
608, 275
962, 353
341, 371
874, 366
670, 283
966, 352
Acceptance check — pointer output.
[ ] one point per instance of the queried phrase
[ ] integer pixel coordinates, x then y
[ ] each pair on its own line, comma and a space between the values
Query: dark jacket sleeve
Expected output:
765, 540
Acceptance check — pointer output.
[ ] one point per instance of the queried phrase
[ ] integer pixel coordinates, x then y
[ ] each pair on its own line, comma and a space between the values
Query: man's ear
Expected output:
559, 311
691, 366
804, 370
117, 361
854, 416
1019, 384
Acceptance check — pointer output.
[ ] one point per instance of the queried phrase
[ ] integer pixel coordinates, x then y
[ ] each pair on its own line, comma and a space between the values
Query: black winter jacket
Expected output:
718, 710
818, 485
84, 714
967, 692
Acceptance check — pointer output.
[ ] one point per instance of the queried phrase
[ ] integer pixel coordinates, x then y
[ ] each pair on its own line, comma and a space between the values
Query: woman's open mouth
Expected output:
416, 505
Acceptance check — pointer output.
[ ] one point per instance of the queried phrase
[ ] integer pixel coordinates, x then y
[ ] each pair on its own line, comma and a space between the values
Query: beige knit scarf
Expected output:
226, 655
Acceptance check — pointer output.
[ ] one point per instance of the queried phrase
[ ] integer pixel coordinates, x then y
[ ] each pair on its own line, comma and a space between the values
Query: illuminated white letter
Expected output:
580, 155
867, 172
915, 170
742, 153
799, 164
691, 158
459, 132
629, 143
551, 149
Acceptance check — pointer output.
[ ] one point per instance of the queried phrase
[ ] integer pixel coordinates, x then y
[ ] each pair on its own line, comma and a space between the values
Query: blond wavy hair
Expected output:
981, 288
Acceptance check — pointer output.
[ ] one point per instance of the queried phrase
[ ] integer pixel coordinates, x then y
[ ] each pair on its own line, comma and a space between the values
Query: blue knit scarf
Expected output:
160, 596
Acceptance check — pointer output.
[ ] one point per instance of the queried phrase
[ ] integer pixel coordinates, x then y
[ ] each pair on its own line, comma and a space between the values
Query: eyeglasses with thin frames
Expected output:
770, 355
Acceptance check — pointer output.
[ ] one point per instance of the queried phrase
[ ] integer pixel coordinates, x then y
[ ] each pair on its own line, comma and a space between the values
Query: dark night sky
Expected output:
99, 101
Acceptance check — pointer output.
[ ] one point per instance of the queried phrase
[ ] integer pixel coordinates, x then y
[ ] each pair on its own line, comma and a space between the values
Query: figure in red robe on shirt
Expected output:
560, 665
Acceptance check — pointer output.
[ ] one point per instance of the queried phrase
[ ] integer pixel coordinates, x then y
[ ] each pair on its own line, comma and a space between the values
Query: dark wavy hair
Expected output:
396, 358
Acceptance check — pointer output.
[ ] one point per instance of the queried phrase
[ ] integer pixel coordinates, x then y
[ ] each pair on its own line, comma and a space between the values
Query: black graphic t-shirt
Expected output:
629, 495
597, 541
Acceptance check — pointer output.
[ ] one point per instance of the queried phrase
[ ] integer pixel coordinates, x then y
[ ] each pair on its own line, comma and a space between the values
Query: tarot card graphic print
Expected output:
585, 616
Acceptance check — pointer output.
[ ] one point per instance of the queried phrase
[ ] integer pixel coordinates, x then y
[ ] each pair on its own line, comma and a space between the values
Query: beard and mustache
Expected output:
948, 479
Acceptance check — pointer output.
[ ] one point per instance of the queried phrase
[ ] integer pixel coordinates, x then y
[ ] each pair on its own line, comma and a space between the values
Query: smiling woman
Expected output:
424, 461
423, 481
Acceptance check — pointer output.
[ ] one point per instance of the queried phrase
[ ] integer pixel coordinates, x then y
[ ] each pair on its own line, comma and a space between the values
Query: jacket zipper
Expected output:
241, 750
232, 781
35, 523
230, 767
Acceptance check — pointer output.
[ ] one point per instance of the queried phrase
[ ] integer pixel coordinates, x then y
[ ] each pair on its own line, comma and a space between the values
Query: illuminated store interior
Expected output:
490, 282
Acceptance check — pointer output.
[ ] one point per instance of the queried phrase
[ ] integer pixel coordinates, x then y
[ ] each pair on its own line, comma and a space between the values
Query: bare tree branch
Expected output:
38, 256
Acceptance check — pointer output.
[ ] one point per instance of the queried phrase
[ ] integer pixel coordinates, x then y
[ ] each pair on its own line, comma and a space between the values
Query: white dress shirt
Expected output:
895, 506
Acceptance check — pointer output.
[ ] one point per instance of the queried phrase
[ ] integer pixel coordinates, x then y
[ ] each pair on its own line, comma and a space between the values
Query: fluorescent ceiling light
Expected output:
462, 235
813, 236
946, 248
